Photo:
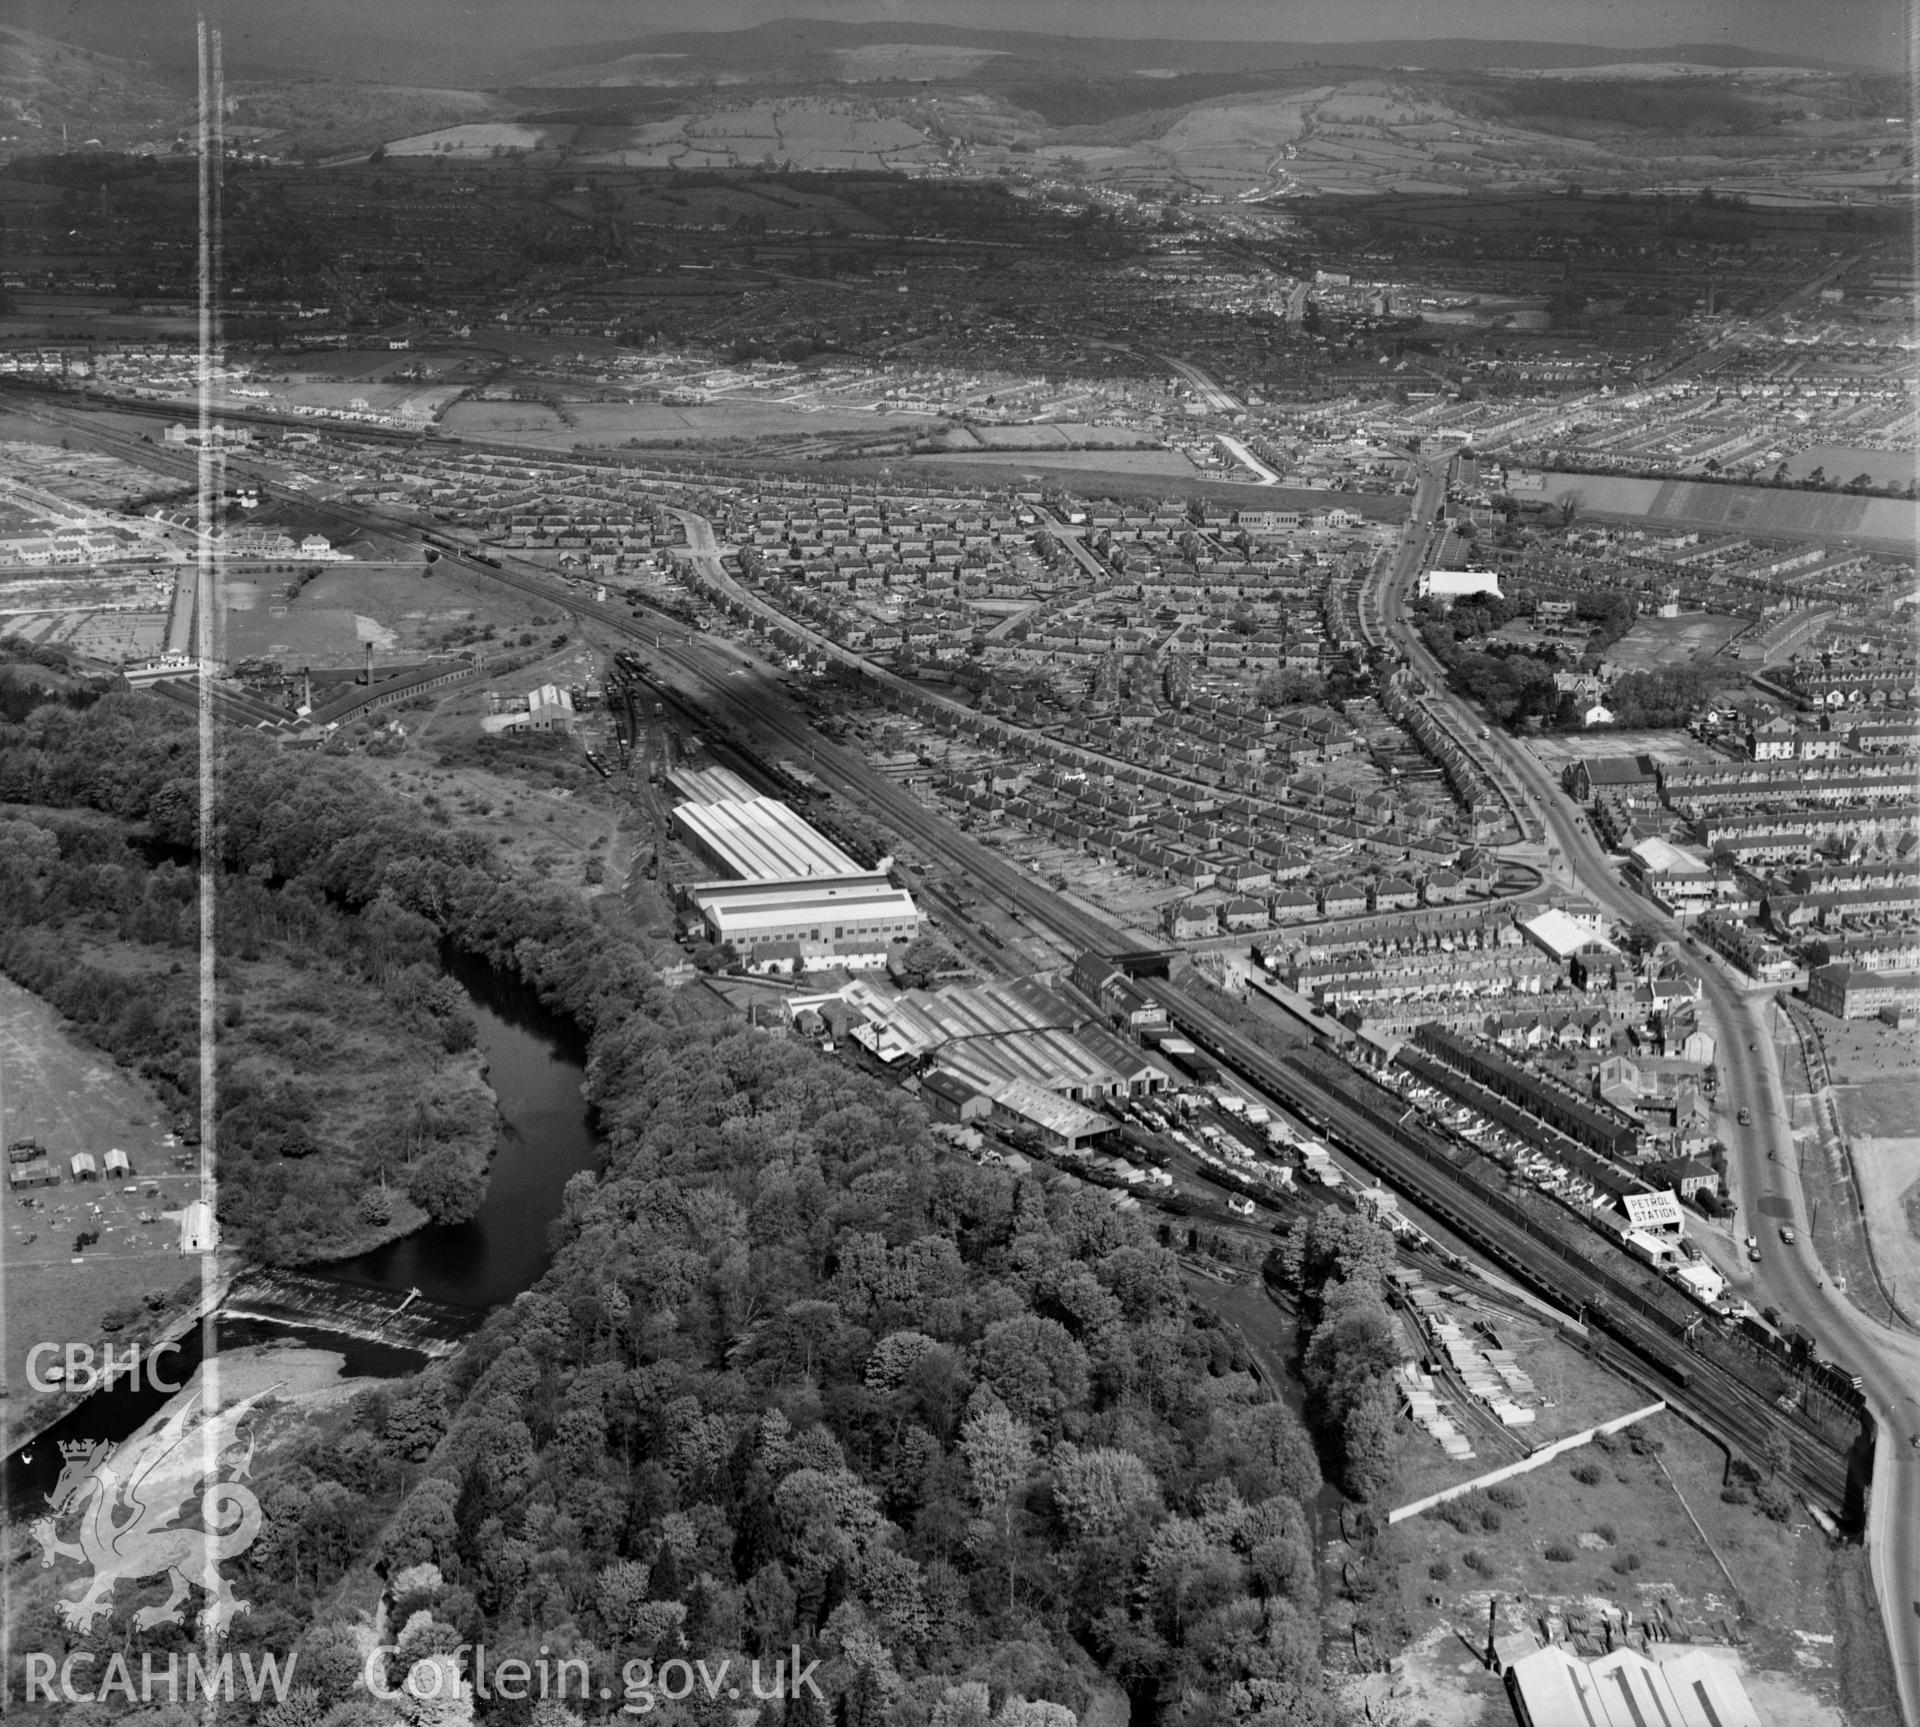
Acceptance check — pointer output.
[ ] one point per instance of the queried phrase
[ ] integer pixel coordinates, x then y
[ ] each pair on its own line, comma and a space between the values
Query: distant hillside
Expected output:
805, 46
49, 89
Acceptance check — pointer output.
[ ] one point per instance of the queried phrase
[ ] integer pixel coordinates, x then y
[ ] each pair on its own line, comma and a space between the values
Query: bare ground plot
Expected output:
73, 1099
1876, 1086
1889, 1176
541, 807
1829, 1181
1558, 750
1656, 643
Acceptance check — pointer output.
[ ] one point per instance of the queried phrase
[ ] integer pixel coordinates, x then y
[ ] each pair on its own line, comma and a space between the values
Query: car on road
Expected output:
1787, 1235
1752, 1242
1746, 1118
1753, 1250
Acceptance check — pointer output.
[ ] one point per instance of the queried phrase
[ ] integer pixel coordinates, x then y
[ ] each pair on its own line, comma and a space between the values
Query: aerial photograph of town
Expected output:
918, 863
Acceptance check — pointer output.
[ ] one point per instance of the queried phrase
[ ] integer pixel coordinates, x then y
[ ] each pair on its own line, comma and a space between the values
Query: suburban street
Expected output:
1762, 1163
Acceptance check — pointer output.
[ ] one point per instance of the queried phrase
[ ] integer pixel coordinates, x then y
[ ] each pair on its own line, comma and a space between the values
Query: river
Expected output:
534, 1064
546, 1137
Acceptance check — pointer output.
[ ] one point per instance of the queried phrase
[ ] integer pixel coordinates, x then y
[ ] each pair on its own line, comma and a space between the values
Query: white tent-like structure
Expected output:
199, 1231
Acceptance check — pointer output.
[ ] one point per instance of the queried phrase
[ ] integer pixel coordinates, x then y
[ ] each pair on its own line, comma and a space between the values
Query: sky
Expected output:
456, 40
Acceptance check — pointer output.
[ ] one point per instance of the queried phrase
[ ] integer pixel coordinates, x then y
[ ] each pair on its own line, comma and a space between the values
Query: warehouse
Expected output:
1551, 1688
758, 839
1018, 1030
844, 920
1674, 879
1061, 1124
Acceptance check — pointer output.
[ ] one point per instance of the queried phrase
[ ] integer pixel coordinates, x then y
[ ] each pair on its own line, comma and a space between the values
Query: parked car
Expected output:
1787, 1235
1746, 1118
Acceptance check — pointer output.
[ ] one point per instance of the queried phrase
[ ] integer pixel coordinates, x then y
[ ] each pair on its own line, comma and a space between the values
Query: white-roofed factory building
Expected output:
759, 839
1551, 1688
1674, 879
1457, 584
847, 921
791, 899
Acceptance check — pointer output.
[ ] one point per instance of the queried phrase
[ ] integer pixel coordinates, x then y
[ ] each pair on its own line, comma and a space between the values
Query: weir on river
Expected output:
402, 1318
388, 1311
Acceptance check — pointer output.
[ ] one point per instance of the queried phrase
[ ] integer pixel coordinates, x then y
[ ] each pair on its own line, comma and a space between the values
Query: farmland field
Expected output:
615, 422
806, 133
481, 139
1053, 435
1134, 463
1746, 509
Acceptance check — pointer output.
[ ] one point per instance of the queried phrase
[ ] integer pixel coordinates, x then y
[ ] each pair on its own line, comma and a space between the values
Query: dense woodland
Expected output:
798, 1378
347, 1104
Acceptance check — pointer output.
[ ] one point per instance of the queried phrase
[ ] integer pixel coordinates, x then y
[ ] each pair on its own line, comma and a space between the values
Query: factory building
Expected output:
1551, 1688
791, 898
846, 920
1021, 1031
1060, 1124
758, 839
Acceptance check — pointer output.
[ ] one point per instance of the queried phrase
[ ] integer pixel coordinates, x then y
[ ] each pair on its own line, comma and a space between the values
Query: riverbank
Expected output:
22, 1423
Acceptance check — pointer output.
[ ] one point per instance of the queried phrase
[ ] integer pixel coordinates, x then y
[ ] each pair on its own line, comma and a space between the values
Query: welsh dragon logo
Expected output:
127, 1498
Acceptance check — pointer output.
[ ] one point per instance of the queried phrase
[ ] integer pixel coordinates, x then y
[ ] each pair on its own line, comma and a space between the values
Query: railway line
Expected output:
1640, 1345
1644, 1348
1744, 1417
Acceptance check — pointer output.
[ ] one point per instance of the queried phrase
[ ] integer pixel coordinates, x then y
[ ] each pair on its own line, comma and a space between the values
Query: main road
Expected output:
1762, 1160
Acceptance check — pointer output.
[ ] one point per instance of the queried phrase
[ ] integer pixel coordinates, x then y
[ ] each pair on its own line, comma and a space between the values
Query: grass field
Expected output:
1843, 461
1655, 644
1135, 464
400, 611
1635, 1522
1742, 509
1876, 1083
584, 423
73, 1099
1145, 475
